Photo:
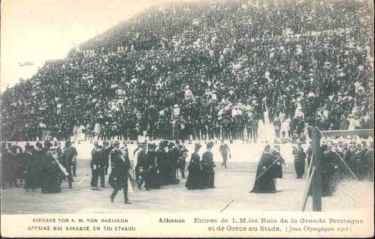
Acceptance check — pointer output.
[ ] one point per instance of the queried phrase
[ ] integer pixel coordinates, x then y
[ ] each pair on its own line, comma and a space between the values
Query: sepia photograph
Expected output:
173, 118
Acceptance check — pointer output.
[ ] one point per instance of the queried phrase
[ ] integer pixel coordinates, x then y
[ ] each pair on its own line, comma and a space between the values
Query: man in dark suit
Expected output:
69, 158
152, 180
106, 151
162, 162
97, 166
51, 173
120, 165
141, 167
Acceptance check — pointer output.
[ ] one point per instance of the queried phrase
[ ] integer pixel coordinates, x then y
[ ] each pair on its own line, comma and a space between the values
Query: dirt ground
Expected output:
231, 193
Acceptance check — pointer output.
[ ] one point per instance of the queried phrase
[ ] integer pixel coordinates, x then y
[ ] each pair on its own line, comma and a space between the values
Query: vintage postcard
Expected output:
187, 118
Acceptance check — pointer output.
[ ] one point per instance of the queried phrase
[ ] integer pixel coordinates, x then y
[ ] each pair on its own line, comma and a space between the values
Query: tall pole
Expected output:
317, 180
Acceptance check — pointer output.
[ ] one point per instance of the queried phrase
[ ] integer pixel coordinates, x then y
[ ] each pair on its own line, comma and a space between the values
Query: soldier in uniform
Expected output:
208, 168
69, 155
299, 160
120, 165
194, 179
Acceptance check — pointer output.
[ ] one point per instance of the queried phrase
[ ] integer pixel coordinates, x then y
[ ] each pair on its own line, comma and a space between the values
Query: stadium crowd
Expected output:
204, 72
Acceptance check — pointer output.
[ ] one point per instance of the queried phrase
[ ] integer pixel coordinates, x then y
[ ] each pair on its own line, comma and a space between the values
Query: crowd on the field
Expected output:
210, 74
45, 166
341, 158
38, 165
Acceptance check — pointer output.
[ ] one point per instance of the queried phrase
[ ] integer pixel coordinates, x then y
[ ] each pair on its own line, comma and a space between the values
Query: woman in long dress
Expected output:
195, 170
269, 168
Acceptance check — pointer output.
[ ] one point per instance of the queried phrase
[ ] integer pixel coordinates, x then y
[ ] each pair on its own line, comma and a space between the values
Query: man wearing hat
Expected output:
69, 158
106, 151
208, 165
152, 176
141, 166
97, 166
120, 165
51, 173
182, 155
163, 162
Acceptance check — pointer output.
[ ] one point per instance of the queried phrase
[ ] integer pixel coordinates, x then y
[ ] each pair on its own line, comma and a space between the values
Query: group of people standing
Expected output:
201, 171
99, 164
156, 166
41, 166
159, 165
339, 160
46, 165
113, 159
345, 160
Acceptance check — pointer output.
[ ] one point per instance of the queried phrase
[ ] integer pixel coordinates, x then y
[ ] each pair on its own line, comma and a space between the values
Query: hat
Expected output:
39, 145
163, 143
47, 144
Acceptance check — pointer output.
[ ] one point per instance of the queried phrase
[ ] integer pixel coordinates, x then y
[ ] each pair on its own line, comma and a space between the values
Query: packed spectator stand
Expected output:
206, 71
